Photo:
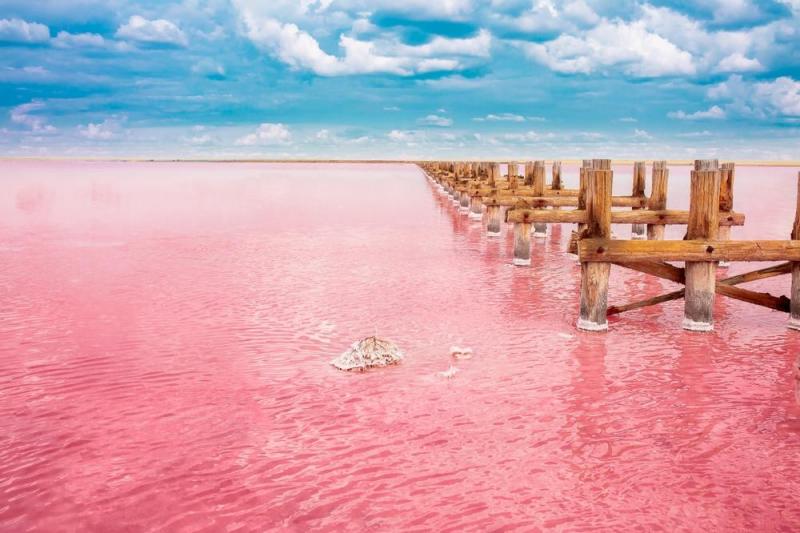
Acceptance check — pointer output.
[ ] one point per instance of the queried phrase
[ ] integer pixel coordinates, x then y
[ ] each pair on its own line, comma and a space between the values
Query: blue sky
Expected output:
400, 78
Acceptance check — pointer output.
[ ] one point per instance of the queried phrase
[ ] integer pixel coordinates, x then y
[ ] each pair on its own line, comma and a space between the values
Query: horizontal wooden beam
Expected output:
764, 299
642, 216
658, 269
633, 251
509, 197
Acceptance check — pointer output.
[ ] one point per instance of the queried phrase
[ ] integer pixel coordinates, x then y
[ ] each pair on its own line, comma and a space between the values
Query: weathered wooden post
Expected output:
513, 171
698, 314
538, 183
658, 198
493, 220
794, 319
528, 180
639, 176
594, 275
493, 174
556, 183
464, 199
522, 244
475, 208
727, 173
586, 165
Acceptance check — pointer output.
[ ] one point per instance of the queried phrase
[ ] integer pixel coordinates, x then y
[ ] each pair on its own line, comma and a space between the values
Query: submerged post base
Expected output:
522, 262
493, 233
638, 237
794, 323
691, 325
475, 216
588, 325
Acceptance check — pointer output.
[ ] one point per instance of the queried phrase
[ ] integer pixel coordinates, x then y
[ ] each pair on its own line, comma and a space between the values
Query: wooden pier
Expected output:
528, 203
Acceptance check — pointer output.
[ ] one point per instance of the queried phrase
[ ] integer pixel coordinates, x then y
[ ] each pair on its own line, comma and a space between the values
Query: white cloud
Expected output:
20, 31
764, 99
97, 132
501, 117
300, 50
22, 115
157, 31
436, 120
201, 140
714, 112
737, 62
210, 69
78, 40
630, 47
641, 134
267, 134
628, 119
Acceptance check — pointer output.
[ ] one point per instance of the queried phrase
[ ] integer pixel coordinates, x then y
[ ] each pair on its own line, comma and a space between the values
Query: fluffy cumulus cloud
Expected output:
267, 134
21, 31
158, 31
712, 113
27, 115
631, 47
436, 120
299, 49
760, 99
71, 40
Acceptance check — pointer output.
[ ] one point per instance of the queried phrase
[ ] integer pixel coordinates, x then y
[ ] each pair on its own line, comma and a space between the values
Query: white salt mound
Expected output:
449, 373
367, 353
461, 353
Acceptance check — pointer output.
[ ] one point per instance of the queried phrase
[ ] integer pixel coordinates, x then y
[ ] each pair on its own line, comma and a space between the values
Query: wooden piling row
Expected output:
532, 203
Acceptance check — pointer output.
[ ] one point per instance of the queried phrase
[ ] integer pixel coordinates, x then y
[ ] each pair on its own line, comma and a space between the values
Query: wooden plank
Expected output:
675, 295
644, 216
764, 273
593, 250
657, 269
658, 198
777, 303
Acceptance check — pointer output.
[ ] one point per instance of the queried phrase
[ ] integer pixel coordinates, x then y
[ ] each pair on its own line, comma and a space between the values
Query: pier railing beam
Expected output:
703, 225
638, 231
594, 276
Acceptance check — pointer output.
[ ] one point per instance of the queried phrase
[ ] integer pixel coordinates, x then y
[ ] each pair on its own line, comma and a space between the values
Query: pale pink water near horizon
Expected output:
166, 332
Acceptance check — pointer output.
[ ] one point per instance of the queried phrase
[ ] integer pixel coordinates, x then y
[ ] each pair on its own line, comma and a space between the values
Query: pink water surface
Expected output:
165, 333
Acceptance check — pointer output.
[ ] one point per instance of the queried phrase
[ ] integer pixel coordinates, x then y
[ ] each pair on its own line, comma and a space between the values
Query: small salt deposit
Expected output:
449, 373
461, 353
371, 352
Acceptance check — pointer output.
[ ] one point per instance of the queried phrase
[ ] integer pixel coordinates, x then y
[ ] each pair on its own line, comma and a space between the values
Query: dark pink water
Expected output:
165, 332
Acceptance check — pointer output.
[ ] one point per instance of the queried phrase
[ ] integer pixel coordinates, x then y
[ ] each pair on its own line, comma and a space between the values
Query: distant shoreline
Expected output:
674, 162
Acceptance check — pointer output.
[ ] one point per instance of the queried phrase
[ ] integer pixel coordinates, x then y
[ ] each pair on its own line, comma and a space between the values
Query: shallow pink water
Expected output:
165, 332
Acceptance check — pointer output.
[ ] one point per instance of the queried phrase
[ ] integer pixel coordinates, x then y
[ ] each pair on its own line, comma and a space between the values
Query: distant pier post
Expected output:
537, 182
794, 320
638, 231
513, 172
594, 275
703, 225
727, 174
658, 198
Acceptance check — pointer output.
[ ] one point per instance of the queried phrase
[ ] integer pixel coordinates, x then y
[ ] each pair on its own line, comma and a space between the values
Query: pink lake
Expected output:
166, 331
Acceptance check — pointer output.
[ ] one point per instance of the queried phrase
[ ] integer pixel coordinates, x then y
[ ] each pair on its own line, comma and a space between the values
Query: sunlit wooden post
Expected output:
586, 165
658, 198
476, 208
794, 320
528, 180
538, 183
594, 275
703, 225
464, 199
638, 231
522, 243
556, 184
513, 172
727, 174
